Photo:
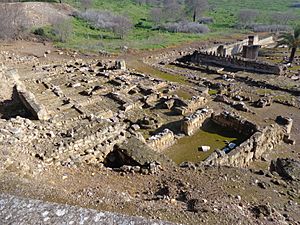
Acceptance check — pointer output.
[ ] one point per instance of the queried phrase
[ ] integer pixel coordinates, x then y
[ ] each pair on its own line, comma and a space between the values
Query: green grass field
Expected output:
223, 11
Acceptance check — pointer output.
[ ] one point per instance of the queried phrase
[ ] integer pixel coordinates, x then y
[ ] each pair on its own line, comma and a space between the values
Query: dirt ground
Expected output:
192, 195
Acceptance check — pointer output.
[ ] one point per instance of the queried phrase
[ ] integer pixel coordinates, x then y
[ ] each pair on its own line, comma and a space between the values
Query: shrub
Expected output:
185, 27
247, 16
120, 25
63, 29
269, 28
39, 31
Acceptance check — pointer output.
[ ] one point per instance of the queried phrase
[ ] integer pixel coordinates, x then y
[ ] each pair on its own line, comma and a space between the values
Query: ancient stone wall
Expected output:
191, 105
235, 122
91, 148
235, 63
192, 123
250, 150
161, 140
237, 47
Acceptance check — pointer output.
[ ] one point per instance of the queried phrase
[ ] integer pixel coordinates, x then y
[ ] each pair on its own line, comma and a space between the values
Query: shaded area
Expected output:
210, 134
14, 107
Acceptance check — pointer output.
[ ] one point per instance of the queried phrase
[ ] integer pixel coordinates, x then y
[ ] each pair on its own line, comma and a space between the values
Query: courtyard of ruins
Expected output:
222, 104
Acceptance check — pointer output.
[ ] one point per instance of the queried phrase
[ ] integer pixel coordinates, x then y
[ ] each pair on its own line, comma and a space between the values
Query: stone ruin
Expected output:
260, 140
161, 140
234, 122
92, 111
190, 106
226, 56
233, 62
192, 123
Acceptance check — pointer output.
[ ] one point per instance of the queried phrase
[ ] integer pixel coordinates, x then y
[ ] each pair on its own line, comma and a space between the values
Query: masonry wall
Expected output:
235, 63
237, 47
192, 123
191, 105
250, 150
235, 122
161, 140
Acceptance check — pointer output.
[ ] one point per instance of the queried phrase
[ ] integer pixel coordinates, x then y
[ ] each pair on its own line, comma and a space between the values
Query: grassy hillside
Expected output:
223, 11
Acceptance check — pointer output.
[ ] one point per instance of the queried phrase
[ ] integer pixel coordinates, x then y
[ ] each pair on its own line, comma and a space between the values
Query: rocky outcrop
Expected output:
287, 168
136, 153
31, 104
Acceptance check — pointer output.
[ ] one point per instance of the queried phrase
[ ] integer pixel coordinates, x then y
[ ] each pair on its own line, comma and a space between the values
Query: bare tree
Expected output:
196, 7
185, 27
86, 4
172, 10
247, 16
140, 2
157, 15
282, 18
13, 21
63, 29
122, 26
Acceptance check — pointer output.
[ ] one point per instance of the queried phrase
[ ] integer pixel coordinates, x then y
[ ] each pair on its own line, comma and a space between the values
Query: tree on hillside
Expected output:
247, 16
292, 40
196, 7
157, 15
282, 17
86, 4
172, 10
121, 26
63, 29
13, 21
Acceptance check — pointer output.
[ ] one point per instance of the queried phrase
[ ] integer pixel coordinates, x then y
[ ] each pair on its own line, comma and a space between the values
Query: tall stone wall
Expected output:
161, 140
250, 150
192, 123
234, 63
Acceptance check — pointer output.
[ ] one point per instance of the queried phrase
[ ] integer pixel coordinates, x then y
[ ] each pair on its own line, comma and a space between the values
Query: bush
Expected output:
185, 27
269, 28
247, 16
63, 29
120, 25
39, 31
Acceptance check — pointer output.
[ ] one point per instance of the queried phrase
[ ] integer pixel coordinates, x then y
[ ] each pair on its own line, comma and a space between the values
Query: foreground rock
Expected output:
287, 168
15, 210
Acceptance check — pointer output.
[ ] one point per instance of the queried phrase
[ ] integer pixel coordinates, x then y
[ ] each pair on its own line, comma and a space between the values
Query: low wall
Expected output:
161, 140
250, 150
191, 106
234, 63
192, 123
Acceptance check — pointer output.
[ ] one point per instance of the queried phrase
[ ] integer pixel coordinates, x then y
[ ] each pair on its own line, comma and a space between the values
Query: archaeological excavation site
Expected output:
199, 133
